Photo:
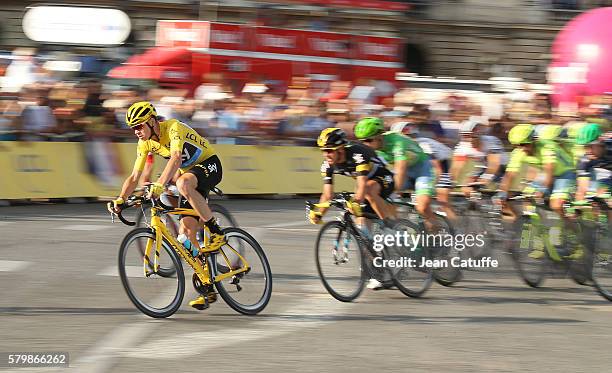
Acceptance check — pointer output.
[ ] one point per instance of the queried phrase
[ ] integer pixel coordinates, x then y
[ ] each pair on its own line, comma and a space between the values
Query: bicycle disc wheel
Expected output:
247, 292
339, 260
171, 224
153, 294
602, 262
527, 246
447, 275
411, 277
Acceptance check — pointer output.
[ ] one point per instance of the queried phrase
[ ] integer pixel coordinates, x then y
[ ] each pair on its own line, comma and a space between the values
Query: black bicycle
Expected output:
345, 256
447, 275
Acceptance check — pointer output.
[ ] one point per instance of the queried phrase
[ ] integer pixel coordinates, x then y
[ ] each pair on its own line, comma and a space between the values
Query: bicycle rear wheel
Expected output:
527, 246
153, 294
248, 292
580, 269
447, 275
339, 260
601, 246
412, 278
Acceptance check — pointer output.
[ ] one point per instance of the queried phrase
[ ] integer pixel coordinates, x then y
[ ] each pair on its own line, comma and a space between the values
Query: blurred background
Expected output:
245, 72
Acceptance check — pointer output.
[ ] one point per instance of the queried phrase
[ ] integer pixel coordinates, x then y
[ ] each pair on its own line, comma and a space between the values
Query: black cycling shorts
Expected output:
444, 163
209, 173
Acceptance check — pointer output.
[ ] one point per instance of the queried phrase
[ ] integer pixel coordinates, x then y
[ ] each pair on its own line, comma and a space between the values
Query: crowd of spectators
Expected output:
41, 106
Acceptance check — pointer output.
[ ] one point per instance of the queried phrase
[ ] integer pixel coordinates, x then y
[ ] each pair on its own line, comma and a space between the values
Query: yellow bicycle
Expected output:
152, 274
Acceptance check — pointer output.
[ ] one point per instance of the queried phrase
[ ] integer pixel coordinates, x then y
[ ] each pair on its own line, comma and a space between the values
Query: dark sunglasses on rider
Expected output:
138, 127
368, 140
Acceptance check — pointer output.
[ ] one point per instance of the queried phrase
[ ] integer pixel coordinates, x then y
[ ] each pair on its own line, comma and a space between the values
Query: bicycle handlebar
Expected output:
140, 199
131, 202
340, 200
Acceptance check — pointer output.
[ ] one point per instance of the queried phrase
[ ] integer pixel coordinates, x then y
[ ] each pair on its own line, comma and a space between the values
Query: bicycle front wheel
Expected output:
153, 294
339, 260
529, 252
248, 292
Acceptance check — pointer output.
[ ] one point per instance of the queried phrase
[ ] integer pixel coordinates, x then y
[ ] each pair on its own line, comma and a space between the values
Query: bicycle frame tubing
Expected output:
352, 228
161, 231
541, 231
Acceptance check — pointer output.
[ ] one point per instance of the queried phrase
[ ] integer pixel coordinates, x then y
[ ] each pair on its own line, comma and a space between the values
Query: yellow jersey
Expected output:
175, 136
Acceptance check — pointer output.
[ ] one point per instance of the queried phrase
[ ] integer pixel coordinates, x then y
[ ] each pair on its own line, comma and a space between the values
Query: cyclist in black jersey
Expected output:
594, 171
374, 180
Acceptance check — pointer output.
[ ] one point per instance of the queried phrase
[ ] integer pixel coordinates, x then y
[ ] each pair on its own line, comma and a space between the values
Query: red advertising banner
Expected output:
230, 36
274, 40
364, 4
379, 48
188, 34
327, 44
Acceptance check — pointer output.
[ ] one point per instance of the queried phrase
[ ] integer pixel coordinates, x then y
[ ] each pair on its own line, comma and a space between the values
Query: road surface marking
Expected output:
132, 271
100, 358
300, 316
287, 224
12, 265
83, 227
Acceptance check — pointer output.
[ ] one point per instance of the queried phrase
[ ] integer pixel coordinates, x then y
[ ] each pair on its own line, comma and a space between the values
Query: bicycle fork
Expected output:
340, 253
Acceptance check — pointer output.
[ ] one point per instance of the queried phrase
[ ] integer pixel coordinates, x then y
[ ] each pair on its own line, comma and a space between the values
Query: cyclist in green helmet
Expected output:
595, 167
412, 167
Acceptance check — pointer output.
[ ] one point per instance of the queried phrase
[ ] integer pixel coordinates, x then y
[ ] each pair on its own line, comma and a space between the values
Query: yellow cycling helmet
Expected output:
139, 113
332, 138
521, 134
552, 132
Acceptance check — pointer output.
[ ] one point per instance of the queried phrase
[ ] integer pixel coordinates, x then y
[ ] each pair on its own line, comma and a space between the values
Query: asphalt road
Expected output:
59, 292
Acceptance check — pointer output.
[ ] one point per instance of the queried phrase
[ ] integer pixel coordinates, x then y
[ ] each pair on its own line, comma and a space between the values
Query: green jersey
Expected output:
546, 152
397, 147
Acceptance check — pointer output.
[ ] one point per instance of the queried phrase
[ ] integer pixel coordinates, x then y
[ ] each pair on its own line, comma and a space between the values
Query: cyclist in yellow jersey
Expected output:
189, 154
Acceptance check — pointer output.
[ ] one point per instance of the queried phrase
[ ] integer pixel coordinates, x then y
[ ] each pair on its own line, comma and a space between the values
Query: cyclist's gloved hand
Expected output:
156, 189
315, 217
116, 205
355, 208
